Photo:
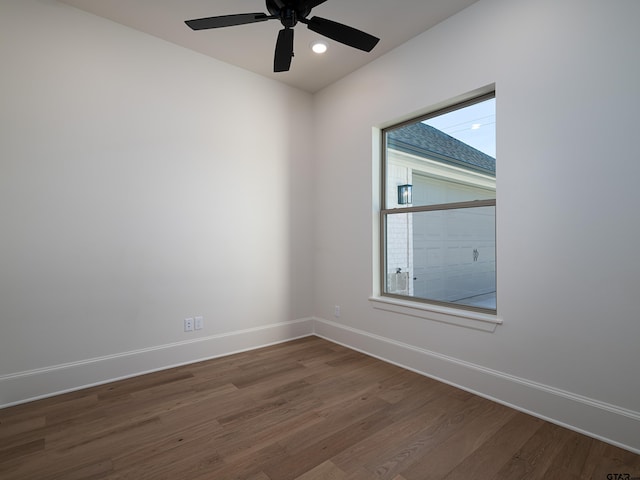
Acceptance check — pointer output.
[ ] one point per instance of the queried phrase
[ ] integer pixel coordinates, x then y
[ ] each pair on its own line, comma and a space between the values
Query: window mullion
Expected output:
442, 206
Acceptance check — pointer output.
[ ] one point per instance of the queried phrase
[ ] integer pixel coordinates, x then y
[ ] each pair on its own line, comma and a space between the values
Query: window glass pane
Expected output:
446, 158
443, 248
443, 255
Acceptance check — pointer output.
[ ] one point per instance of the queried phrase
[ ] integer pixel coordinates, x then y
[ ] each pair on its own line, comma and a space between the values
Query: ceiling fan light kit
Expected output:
290, 12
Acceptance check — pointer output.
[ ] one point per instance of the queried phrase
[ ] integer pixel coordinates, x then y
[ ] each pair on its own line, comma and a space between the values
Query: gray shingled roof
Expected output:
426, 141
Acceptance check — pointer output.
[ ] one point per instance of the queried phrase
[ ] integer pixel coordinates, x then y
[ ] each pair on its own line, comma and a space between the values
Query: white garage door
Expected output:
453, 250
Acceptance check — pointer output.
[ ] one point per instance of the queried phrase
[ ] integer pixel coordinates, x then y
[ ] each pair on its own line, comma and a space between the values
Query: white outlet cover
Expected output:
188, 324
199, 323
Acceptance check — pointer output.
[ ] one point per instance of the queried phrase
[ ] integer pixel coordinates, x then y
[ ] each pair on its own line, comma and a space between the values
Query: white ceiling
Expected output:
251, 46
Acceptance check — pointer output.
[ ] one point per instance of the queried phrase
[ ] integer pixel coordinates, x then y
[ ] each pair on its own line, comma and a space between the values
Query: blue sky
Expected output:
474, 125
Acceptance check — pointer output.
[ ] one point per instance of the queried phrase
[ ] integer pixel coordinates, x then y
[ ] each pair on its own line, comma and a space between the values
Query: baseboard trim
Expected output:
609, 423
27, 386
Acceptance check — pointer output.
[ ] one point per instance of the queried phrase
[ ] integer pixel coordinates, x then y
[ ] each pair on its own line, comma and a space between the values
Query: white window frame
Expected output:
465, 316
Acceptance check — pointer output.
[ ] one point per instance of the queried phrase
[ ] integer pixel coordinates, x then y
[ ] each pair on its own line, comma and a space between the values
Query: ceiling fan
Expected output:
290, 12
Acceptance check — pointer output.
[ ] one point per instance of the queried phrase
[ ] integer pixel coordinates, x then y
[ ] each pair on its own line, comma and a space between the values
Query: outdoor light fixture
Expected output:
404, 194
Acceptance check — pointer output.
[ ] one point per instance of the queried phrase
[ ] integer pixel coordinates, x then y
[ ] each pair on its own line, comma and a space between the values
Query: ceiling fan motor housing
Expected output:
289, 12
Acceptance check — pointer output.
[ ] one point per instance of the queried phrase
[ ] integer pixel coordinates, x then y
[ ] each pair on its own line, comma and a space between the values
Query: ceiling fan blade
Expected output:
342, 33
314, 3
226, 20
284, 51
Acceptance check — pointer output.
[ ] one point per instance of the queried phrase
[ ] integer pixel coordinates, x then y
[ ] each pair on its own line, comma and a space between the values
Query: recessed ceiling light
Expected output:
476, 126
319, 47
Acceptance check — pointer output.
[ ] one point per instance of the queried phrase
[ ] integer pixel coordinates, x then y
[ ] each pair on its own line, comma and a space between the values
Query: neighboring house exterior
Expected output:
448, 256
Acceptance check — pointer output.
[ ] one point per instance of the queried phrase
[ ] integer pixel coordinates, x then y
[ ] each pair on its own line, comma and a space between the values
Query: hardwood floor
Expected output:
303, 410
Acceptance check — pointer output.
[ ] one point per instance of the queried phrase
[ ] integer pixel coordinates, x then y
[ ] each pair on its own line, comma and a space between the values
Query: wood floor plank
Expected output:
533, 461
487, 456
571, 460
142, 383
258, 476
20, 450
245, 467
182, 455
303, 410
366, 455
496, 450
20, 426
440, 443
94, 471
325, 471
334, 418
323, 450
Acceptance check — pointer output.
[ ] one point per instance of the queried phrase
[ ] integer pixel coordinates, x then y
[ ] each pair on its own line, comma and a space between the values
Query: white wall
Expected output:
566, 76
141, 183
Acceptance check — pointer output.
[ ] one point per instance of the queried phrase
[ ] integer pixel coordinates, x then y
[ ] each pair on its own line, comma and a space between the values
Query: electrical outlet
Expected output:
336, 311
188, 324
198, 323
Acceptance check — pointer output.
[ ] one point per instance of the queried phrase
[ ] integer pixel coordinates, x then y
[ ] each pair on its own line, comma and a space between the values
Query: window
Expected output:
439, 201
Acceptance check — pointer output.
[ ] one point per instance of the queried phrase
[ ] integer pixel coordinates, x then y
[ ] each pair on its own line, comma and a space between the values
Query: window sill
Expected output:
452, 316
